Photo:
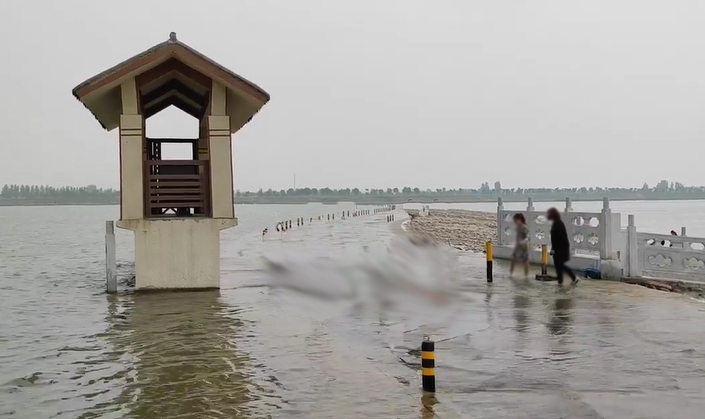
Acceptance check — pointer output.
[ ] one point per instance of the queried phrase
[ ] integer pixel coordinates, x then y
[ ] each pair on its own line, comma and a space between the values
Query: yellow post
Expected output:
488, 254
544, 259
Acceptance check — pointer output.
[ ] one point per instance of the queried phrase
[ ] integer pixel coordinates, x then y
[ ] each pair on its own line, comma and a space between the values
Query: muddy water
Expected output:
515, 349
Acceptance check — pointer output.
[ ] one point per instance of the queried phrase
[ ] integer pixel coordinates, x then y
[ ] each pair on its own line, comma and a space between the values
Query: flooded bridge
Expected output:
516, 348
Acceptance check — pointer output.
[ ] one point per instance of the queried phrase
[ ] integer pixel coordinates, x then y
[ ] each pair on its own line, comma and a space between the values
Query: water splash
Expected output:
405, 285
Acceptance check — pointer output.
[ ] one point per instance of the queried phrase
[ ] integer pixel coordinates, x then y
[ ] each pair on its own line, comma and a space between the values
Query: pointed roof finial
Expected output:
172, 37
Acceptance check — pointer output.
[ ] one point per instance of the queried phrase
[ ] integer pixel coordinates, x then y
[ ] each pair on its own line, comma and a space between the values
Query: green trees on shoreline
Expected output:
10, 194
663, 188
90, 193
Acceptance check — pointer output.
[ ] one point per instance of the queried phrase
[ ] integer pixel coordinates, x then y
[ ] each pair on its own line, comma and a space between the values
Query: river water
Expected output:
252, 350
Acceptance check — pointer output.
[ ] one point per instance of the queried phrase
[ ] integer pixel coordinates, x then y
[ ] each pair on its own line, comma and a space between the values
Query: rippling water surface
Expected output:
514, 349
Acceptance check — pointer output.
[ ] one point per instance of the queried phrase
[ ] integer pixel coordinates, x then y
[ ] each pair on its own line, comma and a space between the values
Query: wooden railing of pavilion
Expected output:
176, 188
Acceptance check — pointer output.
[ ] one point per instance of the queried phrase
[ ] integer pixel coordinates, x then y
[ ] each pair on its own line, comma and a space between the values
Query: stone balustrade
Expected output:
599, 241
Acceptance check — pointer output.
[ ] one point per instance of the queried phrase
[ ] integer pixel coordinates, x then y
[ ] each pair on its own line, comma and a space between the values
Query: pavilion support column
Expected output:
132, 154
131, 170
203, 140
220, 152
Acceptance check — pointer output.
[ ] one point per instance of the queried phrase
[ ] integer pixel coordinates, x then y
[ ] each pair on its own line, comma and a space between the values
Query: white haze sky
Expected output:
380, 93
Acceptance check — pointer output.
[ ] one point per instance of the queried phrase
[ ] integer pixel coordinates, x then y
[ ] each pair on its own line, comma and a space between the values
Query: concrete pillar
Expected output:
221, 174
633, 269
567, 221
606, 230
500, 208
110, 263
530, 206
686, 245
131, 168
132, 154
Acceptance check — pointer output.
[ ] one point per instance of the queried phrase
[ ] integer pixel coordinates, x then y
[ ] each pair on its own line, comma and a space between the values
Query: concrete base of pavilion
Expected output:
177, 254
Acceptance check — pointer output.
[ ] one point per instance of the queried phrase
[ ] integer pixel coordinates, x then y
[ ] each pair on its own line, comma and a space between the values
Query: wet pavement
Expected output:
517, 348
528, 349
600, 350
512, 349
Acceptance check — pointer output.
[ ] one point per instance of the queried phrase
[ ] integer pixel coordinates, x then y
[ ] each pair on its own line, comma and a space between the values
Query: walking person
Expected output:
560, 246
521, 248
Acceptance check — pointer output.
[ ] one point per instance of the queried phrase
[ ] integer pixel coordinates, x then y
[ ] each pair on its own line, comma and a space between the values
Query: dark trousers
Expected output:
559, 264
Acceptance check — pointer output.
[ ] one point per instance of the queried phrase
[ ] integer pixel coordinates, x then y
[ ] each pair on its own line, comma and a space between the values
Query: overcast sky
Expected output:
380, 93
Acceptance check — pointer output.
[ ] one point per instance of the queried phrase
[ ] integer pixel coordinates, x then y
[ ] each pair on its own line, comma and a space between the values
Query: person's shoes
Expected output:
574, 282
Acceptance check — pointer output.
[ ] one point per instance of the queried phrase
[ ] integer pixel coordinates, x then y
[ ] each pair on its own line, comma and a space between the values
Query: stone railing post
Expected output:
686, 245
530, 206
500, 208
606, 230
568, 222
632, 250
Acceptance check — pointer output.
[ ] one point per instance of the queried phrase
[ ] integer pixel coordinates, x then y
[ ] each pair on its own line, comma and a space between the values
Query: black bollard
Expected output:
488, 256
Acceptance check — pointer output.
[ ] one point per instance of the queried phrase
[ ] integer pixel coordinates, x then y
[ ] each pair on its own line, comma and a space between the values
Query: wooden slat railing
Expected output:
177, 185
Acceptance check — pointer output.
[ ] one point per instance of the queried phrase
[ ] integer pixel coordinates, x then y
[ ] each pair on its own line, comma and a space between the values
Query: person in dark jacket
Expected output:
560, 246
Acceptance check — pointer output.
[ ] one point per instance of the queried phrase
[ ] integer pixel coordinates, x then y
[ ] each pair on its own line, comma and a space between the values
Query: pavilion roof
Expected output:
101, 94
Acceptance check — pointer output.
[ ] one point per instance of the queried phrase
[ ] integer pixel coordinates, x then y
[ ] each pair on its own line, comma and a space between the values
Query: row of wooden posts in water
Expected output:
300, 222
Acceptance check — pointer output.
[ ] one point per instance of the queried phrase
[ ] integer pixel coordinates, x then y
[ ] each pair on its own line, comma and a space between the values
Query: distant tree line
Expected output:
93, 194
88, 193
662, 188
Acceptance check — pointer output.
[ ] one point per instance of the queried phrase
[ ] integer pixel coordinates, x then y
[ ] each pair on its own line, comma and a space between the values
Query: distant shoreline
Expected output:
399, 200
366, 200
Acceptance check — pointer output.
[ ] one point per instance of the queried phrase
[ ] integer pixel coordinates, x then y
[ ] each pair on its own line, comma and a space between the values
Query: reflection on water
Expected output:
559, 323
427, 410
179, 355
521, 315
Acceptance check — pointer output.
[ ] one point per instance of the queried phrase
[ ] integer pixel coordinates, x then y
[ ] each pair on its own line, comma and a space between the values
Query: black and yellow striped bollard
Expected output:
488, 256
428, 365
